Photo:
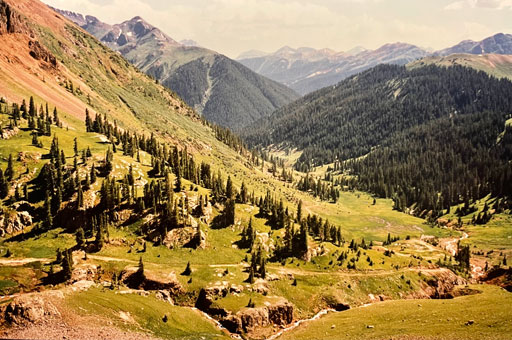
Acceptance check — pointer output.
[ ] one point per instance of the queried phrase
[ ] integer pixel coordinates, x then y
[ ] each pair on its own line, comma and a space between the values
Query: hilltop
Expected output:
497, 65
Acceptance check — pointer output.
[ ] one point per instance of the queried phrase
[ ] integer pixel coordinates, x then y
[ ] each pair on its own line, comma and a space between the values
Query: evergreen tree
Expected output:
4, 188
9, 171
56, 117
100, 237
299, 212
187, 271
140, 270
88, 121
80, 238
80, 197
47, 217
243, 193
229, 188
67, 265
75, 146
93, 174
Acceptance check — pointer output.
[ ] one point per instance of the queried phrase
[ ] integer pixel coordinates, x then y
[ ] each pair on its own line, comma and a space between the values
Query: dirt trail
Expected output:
21, 262
366, 273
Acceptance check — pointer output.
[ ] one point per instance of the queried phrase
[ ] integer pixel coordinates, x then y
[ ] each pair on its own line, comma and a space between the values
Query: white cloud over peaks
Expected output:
489, 4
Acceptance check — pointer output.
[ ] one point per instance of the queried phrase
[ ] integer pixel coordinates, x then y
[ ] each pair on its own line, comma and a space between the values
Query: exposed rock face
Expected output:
38, 52
164, 295
280, 314
499, 276
8, 133
246, 320
29, 309
439, 285
10, 21
84, 272
185, 237
12, 221
252, 318
133, 279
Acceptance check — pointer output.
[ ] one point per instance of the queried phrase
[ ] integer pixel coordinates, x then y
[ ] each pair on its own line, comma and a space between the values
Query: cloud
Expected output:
489, 4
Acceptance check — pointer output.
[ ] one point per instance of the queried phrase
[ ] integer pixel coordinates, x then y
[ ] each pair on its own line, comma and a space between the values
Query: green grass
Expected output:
146, 312
414, 319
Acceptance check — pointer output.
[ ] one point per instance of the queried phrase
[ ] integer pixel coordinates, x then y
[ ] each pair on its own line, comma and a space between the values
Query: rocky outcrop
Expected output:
248, 319
185, 237
29, 309
12, 221
38, 52
10, 20
8, 133
280, 314
499, 276
133, 279
84, 272
164, 295
438, 284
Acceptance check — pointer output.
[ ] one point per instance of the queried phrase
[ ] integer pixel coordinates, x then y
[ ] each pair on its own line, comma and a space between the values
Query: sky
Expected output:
234, 26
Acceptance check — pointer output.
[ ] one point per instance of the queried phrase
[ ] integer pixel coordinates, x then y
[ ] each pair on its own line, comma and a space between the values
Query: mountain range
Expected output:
307, 69
205, 79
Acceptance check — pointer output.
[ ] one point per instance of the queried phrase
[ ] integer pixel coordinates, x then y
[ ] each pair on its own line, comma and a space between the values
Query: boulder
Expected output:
29, 309
254, 317
185, 237
7, 133
12, 221
232, 323
84, 272
164, 295
280, 314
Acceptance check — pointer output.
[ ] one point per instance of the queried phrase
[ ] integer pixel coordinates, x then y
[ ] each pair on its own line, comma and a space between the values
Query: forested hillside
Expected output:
222, 90
406, 134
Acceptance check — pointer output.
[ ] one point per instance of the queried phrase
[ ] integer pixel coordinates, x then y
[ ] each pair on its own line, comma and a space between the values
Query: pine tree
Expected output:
32, 107
262, 271
47, 217
229, 213
140, 270
100, 237
75, 146
93, 174
80, 238
4, 188
288, 238
80, 197
299, 212
88, 121
9, 171
243, 193
188, 270
251, 276
67, 265
250, 235
229, 188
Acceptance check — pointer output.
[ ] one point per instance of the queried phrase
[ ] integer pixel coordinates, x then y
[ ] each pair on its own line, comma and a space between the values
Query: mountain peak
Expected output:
285, 49
500, 43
